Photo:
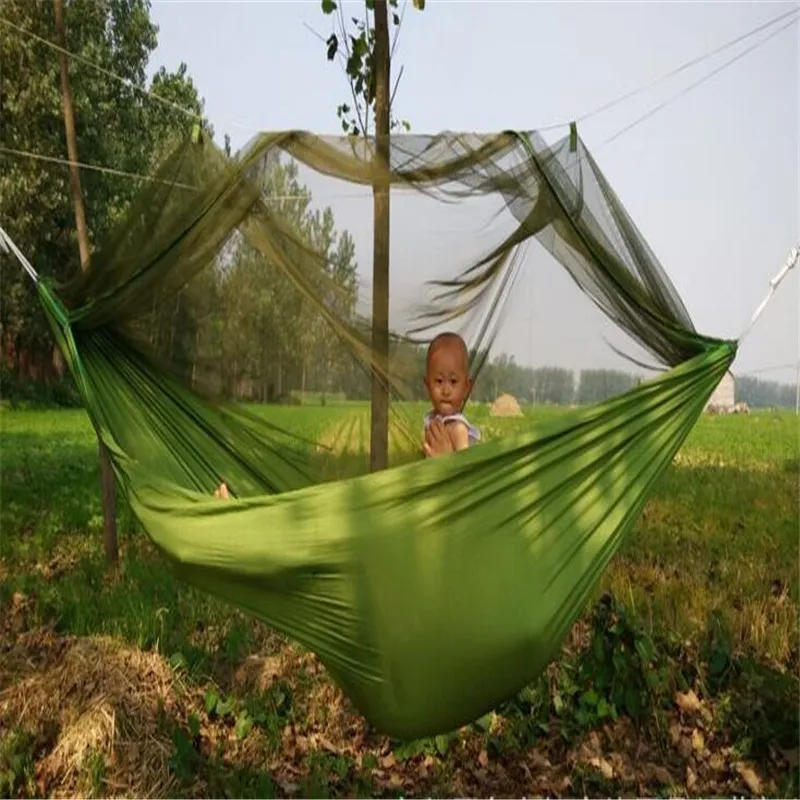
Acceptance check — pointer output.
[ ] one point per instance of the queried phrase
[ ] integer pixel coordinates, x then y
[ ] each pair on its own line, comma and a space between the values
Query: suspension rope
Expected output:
8, 245
697, 83
613, 137
791, 260
588, 115
677, 70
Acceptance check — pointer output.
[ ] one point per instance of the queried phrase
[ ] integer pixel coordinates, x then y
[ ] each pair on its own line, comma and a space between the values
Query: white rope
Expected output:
674, 72
109, 74
8, 245
363, 194
791, 260
93, 167
555, 126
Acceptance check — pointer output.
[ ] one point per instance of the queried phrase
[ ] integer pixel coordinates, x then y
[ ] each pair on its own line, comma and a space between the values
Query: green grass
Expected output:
703, 597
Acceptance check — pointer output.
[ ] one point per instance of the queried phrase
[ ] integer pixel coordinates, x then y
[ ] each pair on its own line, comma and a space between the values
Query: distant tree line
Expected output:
765, 394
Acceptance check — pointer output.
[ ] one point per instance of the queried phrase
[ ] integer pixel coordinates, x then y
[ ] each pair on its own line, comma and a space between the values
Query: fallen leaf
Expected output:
660, 774
623, 769
750, 778
688, 701
716, 762
483, 758
328, 745
674, 733
698, 741
387, 762
685, 747
539, 760
792, 756
604, 767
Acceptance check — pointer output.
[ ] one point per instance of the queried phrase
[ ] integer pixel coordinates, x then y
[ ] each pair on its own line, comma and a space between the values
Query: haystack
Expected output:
91, 699
506, 405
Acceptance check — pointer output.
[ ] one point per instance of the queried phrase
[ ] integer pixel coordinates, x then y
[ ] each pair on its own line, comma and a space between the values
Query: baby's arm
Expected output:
459, 434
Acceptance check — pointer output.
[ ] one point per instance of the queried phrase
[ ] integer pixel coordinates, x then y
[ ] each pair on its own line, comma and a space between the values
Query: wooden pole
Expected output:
379, 428
106, 473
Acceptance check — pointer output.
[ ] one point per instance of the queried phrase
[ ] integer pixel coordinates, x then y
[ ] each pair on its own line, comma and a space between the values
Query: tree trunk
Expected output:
106, 473
379, 430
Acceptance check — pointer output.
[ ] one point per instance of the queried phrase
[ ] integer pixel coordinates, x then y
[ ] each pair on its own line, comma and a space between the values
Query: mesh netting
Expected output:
249, 278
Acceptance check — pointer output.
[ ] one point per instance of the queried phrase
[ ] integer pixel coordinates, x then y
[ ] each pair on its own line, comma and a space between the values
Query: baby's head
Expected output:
447, 373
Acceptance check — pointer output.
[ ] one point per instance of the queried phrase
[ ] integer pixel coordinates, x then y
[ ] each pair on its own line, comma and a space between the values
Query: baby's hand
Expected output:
437, 440
222, 492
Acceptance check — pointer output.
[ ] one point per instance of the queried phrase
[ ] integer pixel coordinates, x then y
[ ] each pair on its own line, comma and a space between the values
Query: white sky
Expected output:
711, 179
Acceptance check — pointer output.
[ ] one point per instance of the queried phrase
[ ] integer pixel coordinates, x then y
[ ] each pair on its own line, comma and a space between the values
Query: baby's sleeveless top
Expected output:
473, 433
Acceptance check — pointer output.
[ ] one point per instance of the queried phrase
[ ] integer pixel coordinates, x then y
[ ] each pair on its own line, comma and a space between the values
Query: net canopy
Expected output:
229, 289
244, 276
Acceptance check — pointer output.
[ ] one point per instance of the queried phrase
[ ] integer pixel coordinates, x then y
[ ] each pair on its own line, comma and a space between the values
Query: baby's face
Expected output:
446, 380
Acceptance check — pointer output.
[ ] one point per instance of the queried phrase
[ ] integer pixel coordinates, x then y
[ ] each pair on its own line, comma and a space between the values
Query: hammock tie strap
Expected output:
791, 260
7, 245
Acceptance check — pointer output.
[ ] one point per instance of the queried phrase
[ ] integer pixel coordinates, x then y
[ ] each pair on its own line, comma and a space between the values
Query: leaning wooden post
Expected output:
106, 473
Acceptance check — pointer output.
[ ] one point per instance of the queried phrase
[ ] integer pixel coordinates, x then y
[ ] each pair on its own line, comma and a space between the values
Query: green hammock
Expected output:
431, 591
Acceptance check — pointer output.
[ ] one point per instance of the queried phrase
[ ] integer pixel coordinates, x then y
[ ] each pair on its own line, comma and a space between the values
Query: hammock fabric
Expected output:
431, 591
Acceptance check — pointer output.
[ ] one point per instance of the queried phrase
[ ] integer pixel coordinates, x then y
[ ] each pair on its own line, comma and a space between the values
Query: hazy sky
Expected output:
711, 179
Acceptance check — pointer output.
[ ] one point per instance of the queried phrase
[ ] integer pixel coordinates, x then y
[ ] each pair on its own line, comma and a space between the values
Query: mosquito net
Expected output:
249, 279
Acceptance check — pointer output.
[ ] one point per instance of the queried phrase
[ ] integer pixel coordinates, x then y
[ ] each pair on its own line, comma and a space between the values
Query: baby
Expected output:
448, 383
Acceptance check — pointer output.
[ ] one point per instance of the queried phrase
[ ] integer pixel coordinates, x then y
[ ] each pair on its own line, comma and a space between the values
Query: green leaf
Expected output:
225, 706
644, 647
442, 744
194, 726
590, 698
484, 722
359, 46
211, 700
333, 46
370, 5
603, 708
419, 4
620, 663
178, 661
598, 647
244, 724
353, 67
633, 703
328, 6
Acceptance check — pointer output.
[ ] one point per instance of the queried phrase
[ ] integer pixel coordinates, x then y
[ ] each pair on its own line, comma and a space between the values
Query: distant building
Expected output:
724, 396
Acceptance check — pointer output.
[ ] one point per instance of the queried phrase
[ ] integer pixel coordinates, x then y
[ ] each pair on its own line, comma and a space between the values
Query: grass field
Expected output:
680, 678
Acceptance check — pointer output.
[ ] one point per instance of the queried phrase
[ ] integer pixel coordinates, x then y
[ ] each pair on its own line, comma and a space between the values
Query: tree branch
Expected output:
325, 42
397, 30
394, 91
